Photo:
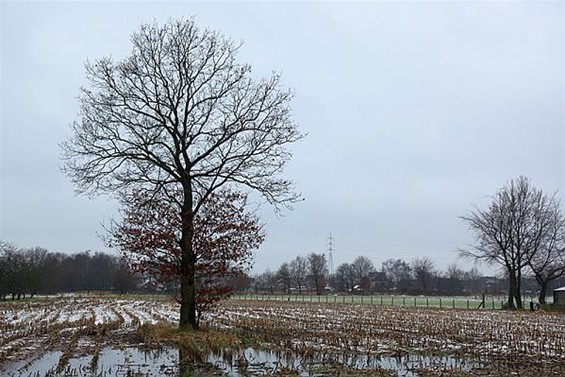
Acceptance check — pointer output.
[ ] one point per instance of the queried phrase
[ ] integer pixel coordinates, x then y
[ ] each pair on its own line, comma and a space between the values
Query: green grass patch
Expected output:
443, 302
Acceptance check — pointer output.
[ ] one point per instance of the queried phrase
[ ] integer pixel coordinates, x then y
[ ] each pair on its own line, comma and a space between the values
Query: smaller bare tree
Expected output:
284, 277
398, 273
455, 276
344, 277
267, 281
318, 271
298, 272
424, 272
548, 263
363, 268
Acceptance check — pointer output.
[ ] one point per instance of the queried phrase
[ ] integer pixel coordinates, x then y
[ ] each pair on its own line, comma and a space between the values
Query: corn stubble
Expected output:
311, 339
360, 336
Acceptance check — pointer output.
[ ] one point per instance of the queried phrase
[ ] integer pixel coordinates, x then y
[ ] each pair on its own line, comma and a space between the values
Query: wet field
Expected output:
116, 337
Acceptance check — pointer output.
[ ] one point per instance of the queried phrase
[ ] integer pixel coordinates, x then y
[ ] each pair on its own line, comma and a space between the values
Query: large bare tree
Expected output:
180, 117
512, 231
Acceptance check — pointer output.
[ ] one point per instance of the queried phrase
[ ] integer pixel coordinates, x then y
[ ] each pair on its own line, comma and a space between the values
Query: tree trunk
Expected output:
543, 292
518, 291
511, 290
188, 262
188, 303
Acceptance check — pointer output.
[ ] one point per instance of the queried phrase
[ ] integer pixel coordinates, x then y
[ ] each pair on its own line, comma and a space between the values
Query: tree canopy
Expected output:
180, 118
518, 226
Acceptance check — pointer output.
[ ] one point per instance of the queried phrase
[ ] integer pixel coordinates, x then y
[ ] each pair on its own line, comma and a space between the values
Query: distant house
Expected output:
559, 297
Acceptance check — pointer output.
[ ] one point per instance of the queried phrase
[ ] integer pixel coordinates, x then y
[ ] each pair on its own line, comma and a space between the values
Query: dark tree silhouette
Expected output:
318, 270
398, 273
180, 118
455, 275
298, 268
284, 277
363, 268
548, 263
424, 273
513, 230
345, 277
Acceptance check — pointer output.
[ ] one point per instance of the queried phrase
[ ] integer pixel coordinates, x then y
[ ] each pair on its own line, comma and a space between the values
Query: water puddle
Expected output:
172, 361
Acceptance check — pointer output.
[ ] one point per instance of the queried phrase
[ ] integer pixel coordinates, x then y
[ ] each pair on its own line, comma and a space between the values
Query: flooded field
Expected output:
123, 337
167, 361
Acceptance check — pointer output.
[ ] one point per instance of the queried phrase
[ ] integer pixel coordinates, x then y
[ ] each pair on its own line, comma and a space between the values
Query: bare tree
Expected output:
267, 281
123, 280
34, 260
8, 269
181, 118
318, 270
473, 278
22, 271
298, 272
363, 268
455, 276
345, 277
424, 272
512, 230
548, 263
284, 277
398, 272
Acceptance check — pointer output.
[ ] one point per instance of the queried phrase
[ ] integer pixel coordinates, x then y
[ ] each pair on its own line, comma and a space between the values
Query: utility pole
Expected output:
331, 254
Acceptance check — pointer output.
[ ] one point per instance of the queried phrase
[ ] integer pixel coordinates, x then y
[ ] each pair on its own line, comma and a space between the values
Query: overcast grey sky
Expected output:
415, 111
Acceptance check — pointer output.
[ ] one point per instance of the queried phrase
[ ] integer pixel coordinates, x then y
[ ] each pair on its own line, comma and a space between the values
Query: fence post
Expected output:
453, 303
467, 304
427, 303
414, 301
440, 302
371, 300
493, 303
381, 300
392, 301
403, 300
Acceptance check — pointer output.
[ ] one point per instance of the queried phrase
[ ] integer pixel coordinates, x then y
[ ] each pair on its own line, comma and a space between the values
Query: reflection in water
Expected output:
172, 361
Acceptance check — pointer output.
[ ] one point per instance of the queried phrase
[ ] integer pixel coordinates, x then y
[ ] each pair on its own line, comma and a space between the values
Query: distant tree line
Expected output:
522, 232
419, 276
28, 272
310, 274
